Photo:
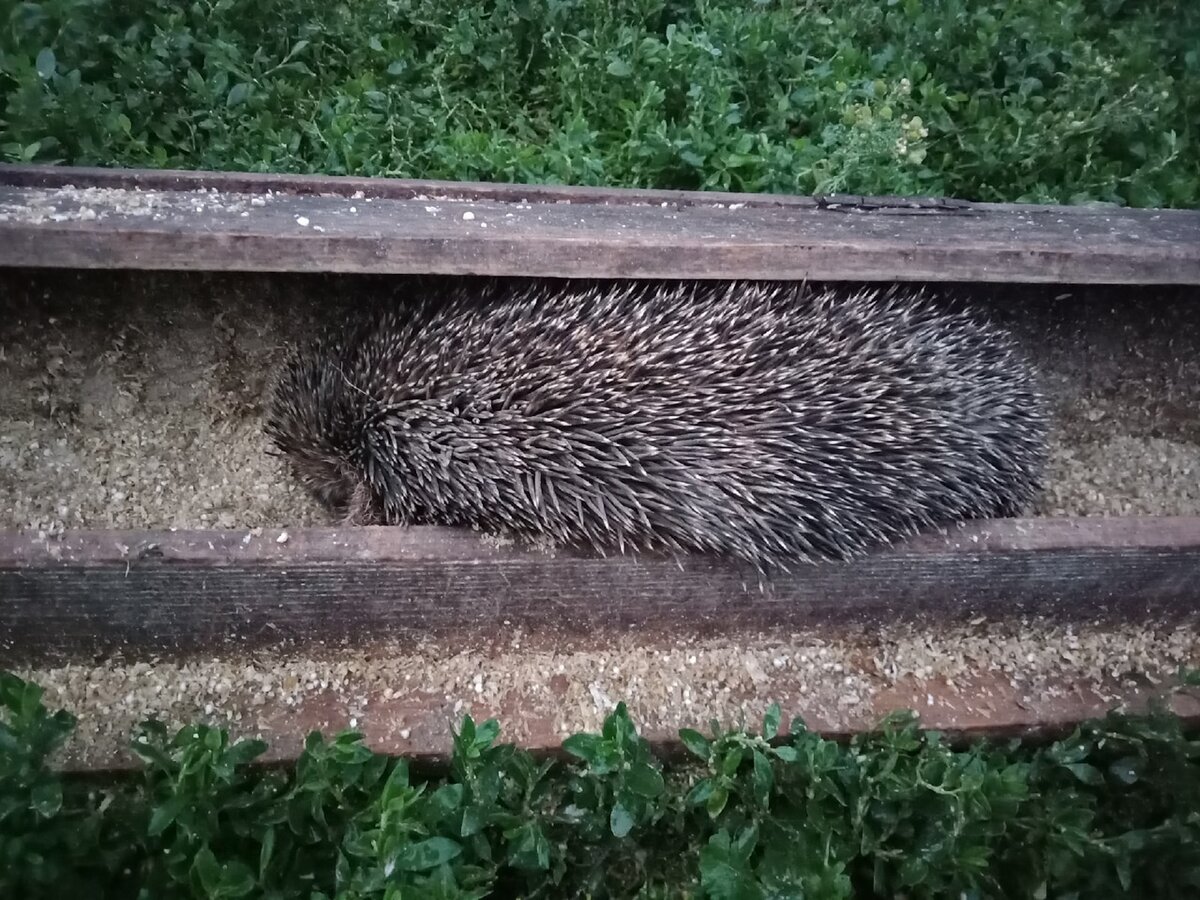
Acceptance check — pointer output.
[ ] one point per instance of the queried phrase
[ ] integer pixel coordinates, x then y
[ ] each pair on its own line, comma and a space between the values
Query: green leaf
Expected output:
745, 843
237, 94
1126, 770
237, 880
427, 854
732, 760
487, 733
716, 801
764, 779
644, 780
530, 849
913, 871
584, 746
45, 63
446, 799
297, 48
245, 751
620, 69
1124, 873
473, 821
620, 820
696, 743
164, 815
1086, 773
787, 754
212, 738
208, 870
396, 784
700, 793
723, 875
771, 721
47, 798
265, 853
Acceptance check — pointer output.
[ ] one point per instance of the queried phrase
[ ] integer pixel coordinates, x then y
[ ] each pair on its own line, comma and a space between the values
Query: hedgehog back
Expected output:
768, 423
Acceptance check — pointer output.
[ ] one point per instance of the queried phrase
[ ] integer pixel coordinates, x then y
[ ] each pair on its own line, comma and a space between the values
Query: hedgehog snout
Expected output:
334, 484
362, 507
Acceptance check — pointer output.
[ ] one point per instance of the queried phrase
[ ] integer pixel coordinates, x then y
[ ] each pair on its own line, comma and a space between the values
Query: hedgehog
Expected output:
768, 424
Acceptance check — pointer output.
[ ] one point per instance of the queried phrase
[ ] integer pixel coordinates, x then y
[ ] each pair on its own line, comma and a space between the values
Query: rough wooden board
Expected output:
145, 592
568, 232
416, 189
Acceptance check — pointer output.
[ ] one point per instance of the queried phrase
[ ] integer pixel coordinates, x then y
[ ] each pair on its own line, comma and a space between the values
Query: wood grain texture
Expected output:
419, 189
229, 222
188, 591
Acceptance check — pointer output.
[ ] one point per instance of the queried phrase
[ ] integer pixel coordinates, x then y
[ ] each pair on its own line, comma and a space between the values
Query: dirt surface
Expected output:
129, 409
126, 408
1123, 368
407, 699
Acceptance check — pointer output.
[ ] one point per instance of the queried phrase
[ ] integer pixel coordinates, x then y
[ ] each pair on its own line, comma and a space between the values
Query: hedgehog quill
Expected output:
771, 424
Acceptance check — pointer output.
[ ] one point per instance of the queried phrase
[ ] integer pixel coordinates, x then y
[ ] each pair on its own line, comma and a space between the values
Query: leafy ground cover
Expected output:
1113, 810
1039, 100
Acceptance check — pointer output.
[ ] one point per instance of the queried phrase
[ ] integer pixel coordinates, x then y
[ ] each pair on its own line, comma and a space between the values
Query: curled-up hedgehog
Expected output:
770, 424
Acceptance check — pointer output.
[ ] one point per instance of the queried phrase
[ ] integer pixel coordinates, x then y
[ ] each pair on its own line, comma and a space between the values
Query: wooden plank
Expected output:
315, 225
184, 591
426, 189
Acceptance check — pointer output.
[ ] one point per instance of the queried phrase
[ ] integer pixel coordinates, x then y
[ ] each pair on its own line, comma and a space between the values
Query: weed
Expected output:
1110, 811
1019, 100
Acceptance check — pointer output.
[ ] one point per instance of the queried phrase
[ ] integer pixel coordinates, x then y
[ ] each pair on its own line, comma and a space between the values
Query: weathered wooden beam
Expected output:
86, 218
146, 592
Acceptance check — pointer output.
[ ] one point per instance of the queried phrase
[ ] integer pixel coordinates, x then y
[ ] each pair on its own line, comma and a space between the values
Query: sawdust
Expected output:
412, 696
137, 411
72, 204
1122, 368
130, 409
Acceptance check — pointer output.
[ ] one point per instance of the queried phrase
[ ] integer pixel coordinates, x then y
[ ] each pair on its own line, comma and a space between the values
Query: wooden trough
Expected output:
119, 599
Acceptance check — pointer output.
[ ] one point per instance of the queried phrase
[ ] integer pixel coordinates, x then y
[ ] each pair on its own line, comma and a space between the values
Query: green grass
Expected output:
1111, 811
1030, 100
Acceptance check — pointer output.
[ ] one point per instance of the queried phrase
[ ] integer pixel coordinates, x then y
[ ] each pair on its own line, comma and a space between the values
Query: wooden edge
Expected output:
52, 177
189, 591
384, 543
412, 189
421, 726
506, 230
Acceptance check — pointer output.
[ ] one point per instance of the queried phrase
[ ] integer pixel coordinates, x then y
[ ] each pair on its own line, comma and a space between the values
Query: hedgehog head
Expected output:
317, 420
